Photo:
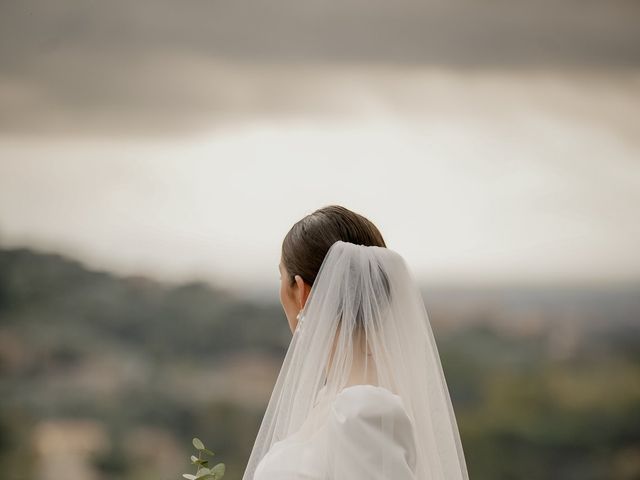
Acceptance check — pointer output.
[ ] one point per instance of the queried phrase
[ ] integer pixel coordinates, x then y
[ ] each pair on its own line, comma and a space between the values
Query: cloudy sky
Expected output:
490, 140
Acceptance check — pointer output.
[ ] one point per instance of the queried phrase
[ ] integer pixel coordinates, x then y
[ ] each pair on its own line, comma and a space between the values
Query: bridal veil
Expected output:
364, 322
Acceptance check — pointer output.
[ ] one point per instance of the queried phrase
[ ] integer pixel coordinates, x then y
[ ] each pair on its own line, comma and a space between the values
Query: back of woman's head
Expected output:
308, 241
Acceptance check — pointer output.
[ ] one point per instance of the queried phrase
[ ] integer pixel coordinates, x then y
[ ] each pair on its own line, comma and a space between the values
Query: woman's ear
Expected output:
302, 291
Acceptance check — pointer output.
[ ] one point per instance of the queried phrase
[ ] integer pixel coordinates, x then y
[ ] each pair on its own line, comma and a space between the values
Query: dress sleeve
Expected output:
371, 436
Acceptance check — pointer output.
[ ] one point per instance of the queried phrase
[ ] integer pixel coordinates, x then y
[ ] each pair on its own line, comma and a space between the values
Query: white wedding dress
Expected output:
361, 394
341, 436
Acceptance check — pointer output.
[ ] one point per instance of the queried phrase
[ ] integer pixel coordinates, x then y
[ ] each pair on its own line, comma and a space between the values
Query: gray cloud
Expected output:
157, 66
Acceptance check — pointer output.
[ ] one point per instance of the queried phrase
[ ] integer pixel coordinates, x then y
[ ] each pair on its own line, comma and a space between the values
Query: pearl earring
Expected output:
299, 326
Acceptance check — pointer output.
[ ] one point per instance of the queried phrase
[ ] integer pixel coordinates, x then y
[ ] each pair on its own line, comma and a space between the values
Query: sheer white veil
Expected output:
365, 322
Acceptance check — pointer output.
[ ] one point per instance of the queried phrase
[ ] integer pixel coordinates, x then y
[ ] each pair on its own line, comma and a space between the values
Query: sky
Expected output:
490, 141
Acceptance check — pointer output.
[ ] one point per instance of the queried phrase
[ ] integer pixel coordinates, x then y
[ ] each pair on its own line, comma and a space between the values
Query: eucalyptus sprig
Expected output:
203, 472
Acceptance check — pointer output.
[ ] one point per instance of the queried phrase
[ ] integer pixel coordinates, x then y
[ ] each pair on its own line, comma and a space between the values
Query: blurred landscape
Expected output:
109, 377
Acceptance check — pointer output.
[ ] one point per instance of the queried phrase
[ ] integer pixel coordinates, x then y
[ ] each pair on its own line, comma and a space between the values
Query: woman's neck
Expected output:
363, 368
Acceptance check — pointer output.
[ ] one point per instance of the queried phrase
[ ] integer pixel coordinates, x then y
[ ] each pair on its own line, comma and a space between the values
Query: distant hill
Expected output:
543, 380
60, 294
197, 319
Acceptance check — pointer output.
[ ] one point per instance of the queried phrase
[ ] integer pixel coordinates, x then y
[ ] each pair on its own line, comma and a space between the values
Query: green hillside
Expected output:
115, 375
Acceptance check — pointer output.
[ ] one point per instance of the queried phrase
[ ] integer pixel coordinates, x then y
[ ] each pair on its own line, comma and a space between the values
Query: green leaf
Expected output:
203, 472
218, 470
198, 443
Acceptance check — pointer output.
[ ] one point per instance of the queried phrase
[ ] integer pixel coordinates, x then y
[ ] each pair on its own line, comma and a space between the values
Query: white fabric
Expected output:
347, 438
361, 393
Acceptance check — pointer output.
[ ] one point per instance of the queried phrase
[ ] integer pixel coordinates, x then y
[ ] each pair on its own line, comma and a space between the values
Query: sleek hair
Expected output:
308, 241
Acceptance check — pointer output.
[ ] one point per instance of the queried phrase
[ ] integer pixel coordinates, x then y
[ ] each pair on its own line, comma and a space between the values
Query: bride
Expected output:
361, 393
